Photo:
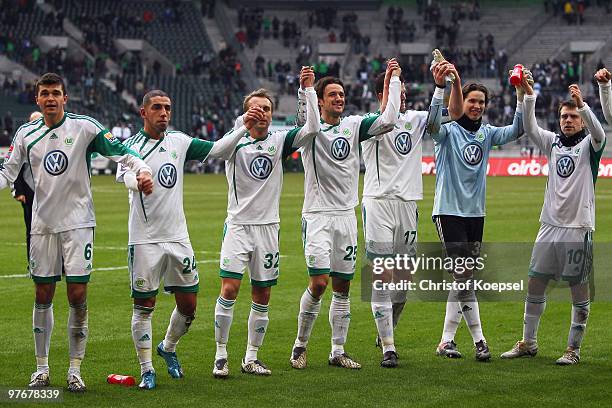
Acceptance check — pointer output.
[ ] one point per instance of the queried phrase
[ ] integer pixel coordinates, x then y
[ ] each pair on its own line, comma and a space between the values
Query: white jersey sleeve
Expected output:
605, 96
541, 137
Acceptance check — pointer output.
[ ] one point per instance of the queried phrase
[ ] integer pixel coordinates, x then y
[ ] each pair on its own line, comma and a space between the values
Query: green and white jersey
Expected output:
331, 160
569, 200
60, 157
393, 160
255, 171
159, 217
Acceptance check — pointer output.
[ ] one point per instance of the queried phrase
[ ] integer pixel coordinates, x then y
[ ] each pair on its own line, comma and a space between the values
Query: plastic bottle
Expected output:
517, 75
126, 380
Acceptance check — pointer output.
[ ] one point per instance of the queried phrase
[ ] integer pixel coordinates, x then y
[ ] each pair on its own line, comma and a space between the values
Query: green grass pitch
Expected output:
421, 380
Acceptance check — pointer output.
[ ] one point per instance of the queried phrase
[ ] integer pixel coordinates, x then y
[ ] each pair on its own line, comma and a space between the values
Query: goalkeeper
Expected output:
461, 151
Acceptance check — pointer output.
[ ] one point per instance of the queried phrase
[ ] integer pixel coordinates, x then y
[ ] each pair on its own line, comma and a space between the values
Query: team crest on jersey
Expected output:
403, 144
56, 162
261, 167
408, 126
480, 136
167, 175
565, 166
173, 154
472, 154
340, 148
346, 132
68, 141
272, 149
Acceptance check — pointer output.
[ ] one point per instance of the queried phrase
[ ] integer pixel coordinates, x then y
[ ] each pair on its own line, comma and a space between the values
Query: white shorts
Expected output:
70, 251
172, 261
389, 227
562, 253
330, 244
254, 247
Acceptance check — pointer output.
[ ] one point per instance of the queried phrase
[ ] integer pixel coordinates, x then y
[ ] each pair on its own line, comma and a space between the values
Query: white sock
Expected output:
534, 308
78, 332
580, 315
179, 325
452, 318
142, 334
42, 326
310, 307
257, 325
224, 314
339, 320
471, 313
382, 310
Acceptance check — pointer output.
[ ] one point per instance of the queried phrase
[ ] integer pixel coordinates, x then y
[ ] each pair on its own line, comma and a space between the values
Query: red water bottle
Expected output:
126, 380
517, 75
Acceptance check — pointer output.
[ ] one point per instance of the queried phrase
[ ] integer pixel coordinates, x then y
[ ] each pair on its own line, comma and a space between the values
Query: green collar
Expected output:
252, 139
148, 136
330, 125
58, 124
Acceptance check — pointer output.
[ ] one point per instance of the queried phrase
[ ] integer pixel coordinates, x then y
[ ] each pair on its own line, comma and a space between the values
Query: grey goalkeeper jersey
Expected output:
569, 200
60, 158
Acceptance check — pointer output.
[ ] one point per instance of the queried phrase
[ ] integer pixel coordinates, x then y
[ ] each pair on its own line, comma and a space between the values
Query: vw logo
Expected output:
472, 154
565, 166
403, 144
340, 148
56, 162
261, 167
167, 175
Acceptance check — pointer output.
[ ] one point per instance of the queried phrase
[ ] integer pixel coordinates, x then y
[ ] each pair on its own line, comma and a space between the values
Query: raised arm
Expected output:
304, 135
440, 72
300, 114
598, 136
604, 77
541, 137
375, 125
506, 134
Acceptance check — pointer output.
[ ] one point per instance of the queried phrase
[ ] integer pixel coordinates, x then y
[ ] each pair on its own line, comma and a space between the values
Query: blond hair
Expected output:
261, 93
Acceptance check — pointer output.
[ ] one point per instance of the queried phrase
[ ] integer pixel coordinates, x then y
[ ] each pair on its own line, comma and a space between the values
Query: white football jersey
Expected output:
393, 160
60, 158
255, 178
331, 160
255, 171
569, 200
159, 217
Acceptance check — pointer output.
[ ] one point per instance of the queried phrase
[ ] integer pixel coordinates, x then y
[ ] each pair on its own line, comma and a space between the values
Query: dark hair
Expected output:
570, 104
380, 82
261, 93
152, 94
323, 82
476, 87
50, 78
